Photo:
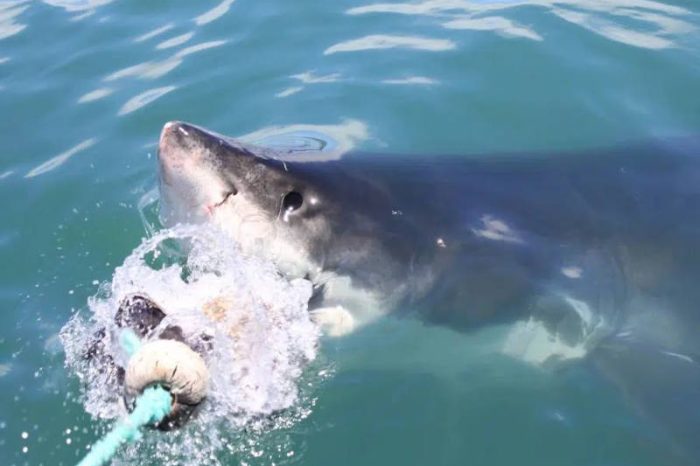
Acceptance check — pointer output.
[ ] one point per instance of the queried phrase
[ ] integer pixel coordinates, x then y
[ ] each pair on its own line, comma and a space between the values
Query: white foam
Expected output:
262, 338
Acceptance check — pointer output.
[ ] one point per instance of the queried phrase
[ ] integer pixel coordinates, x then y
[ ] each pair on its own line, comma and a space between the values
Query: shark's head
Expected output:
246, 191
309, 218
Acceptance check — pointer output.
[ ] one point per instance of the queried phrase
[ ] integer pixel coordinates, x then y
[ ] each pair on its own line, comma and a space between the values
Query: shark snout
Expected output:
168, 134
174, 147
192, 185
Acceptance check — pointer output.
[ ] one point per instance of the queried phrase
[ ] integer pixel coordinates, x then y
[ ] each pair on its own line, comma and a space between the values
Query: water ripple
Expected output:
60, 159
77, 5
610, 30
175, 41
144, 99
150, 70
8, 12
199, 47
82, 16
158, 68
95, 95
436, 7
289, 91
412, 80
308, 77
381, 41
146, 70
497, 24
215, 13
658, 23
154, 33
312, 142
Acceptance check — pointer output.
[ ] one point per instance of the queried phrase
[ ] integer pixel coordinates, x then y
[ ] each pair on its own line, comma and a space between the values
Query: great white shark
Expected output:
600, 248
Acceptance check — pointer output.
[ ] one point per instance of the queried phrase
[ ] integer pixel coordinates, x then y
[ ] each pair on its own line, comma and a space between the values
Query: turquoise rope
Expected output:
151, 407
130, 342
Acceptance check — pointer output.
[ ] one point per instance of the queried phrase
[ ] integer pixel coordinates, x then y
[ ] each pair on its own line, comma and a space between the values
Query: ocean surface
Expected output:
86, 85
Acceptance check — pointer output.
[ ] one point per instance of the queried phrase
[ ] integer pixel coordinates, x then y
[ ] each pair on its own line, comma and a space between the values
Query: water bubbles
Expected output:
25, 435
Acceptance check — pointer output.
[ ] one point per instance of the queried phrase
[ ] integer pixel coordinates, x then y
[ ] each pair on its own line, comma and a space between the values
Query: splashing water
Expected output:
255, 321
151, 407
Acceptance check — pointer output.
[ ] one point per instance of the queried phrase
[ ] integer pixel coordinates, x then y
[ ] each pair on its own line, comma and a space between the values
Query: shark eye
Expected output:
292, 201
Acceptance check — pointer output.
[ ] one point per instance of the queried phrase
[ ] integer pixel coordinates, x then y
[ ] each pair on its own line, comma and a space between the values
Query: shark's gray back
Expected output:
616, 232
498, 230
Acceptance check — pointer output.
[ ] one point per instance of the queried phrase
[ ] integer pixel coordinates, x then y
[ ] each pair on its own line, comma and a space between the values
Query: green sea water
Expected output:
86, 85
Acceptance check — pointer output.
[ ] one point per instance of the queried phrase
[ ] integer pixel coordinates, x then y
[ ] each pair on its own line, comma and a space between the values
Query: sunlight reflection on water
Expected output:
659, 24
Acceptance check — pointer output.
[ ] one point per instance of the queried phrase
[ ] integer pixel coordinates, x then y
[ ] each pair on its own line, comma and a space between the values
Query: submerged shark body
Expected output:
601, 249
